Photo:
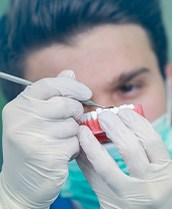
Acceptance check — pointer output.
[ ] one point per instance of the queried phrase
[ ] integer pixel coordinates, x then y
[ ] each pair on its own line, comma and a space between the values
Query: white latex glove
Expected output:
39, 139
149, 185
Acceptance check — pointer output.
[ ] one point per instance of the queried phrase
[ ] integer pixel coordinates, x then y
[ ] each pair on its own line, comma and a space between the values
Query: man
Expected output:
115, 50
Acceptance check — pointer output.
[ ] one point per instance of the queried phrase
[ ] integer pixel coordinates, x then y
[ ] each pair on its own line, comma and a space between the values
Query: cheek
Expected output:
154, 106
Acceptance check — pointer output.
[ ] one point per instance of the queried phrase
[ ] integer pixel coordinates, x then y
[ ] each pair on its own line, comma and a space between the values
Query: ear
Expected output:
168, 71
169, 91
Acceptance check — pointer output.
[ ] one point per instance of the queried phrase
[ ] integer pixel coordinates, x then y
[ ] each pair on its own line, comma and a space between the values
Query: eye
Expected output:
129, 90
128, 87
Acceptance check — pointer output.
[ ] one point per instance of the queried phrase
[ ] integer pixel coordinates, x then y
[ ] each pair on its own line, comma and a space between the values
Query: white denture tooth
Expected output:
105, 110
125, 106
94, 115
122, 107
88, 116
131, 106
98, 110
114, 110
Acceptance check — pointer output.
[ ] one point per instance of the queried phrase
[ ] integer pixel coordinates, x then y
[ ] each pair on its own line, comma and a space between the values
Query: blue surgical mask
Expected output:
77, 187
164, 128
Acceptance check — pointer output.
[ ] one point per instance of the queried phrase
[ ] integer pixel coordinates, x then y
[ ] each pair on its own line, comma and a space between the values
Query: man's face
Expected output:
115, 62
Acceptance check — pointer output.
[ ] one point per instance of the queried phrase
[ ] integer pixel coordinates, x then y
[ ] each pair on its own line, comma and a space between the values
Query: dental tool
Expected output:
91, 103
15, 79
25, 82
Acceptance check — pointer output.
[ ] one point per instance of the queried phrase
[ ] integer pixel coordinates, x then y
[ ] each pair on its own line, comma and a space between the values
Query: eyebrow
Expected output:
126, 77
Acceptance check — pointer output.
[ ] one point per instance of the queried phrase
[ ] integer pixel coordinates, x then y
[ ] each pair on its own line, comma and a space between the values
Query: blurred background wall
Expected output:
3, 5
167, 13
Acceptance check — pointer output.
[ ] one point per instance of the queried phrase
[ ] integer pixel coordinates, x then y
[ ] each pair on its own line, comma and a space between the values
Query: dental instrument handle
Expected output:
15, 79
25, 82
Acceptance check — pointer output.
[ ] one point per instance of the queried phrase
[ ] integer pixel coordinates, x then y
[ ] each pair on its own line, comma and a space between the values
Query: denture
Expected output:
90, 119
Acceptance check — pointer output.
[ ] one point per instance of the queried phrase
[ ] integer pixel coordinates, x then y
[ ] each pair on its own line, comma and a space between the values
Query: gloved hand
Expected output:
150, 182
39, 139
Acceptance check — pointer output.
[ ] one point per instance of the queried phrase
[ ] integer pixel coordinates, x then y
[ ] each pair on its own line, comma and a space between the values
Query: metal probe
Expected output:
25, 82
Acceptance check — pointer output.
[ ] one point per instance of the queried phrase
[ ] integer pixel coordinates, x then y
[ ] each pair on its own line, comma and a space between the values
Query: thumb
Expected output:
67, 74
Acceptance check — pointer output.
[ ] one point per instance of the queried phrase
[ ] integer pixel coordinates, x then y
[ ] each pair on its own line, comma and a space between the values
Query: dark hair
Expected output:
31, 24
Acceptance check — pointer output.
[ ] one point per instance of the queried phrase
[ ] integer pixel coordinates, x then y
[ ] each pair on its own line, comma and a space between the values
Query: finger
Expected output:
102, 162
56, 152
126, 142
56, 108
60, 86
61, 129
97, 183
67, 74
88, 170
149, 138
